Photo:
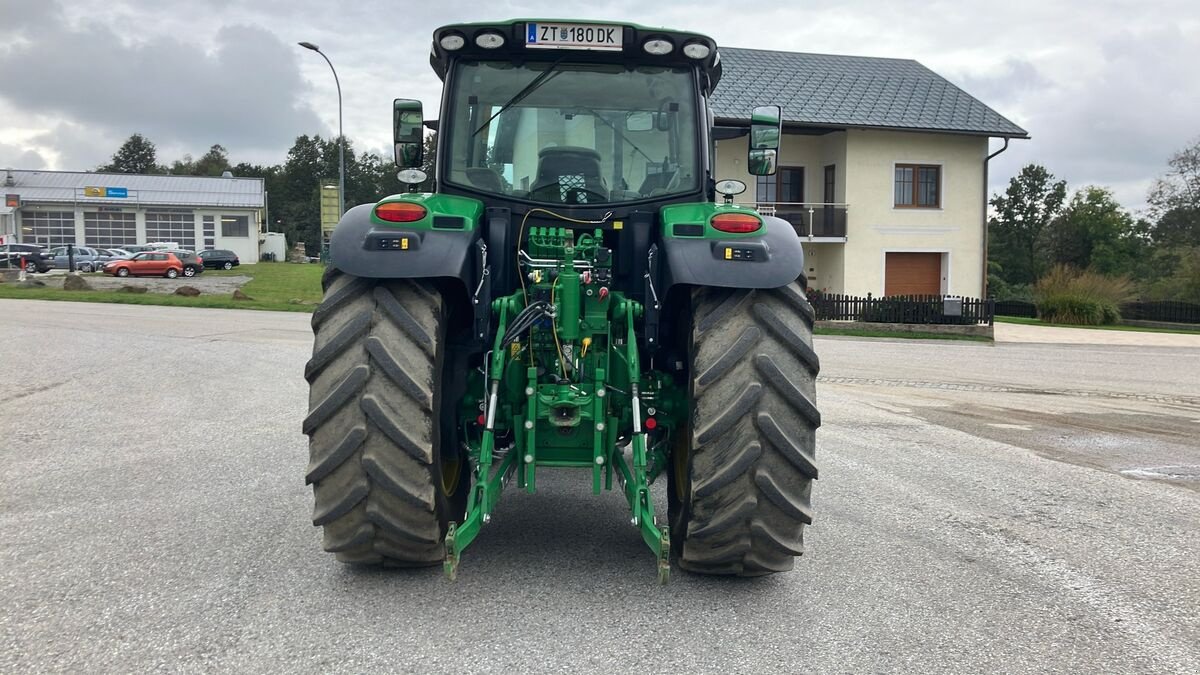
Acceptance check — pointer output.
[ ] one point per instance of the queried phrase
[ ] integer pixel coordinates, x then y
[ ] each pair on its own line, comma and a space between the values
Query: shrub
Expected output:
1001, 290
1065, 295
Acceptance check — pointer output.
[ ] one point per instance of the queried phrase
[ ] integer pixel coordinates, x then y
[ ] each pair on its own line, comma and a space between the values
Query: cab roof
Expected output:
631, 50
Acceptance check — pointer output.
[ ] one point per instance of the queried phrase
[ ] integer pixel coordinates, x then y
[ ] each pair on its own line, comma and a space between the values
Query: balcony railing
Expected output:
811, 219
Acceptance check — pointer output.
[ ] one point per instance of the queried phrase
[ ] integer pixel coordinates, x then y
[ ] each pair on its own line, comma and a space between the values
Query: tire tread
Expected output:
753, 431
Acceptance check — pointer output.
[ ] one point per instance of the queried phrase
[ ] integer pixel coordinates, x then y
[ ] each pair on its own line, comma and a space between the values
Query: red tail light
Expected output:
400, 212
736, 223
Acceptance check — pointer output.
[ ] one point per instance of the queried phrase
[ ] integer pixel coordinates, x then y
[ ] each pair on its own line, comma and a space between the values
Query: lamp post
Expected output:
341, 138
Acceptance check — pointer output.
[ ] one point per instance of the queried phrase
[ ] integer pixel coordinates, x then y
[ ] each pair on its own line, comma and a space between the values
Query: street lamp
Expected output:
341, 138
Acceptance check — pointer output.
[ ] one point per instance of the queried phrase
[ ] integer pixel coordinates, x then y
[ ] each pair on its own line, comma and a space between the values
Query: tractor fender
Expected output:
364, 248
770, 259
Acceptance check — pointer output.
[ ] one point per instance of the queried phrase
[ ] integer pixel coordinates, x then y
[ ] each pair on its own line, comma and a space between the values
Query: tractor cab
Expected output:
580, 114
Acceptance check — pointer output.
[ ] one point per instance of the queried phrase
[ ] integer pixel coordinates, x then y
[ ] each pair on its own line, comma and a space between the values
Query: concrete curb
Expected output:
943, 329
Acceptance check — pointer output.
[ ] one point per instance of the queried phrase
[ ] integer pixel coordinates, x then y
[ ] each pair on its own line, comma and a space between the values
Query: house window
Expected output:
918, 186
167, 226
48, 228
785, 187
235, 226
108, 229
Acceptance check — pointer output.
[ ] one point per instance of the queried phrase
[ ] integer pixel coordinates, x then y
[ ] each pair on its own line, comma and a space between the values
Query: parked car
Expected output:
192, 264
219, 258
97, 263
121, 253
35, 257
85, 258
146, 263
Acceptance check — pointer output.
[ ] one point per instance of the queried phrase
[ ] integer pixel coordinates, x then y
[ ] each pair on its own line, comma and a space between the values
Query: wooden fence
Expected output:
928, 309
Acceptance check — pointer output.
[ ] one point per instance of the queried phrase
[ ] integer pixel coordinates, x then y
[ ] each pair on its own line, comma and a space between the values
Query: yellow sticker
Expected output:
404, 244
728, 253
618, 224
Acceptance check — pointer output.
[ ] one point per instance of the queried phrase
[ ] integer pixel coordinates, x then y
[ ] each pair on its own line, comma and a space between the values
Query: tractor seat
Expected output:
570, 175
485, 179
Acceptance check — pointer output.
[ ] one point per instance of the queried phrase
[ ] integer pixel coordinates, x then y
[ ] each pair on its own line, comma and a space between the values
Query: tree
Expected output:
1093, 232
136, 155
1033, 199
1175, 200
212, 163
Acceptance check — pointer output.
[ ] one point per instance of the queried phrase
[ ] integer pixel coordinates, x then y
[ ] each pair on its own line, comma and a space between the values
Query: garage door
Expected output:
913, 274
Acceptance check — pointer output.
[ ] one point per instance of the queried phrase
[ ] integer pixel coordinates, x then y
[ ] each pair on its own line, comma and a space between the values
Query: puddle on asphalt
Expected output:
1137, 444
1186, 472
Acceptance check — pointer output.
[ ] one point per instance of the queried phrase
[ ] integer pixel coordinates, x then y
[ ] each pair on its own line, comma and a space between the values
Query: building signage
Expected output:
12, 201
110, 192
329, 205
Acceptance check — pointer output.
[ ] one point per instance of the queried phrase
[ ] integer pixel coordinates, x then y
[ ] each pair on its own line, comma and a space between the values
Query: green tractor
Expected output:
578, 292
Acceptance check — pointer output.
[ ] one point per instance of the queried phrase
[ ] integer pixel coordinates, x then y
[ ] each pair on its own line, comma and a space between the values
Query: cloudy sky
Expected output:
1108, 89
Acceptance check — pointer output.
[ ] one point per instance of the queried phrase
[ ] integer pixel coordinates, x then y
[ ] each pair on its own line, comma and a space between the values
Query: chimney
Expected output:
9, 181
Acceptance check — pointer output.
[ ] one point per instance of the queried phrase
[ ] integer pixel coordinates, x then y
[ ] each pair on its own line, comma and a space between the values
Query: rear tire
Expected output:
375, 445
172, 273
742, 474
228, 265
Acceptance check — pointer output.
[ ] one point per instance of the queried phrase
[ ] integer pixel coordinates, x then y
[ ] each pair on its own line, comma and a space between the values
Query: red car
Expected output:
146, 263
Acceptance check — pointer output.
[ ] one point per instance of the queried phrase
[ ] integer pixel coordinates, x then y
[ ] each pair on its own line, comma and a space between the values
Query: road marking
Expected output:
1021, 427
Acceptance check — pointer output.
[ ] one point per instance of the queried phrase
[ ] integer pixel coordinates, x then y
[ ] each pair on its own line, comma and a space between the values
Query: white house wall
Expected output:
877, 226
810, 152
865, 164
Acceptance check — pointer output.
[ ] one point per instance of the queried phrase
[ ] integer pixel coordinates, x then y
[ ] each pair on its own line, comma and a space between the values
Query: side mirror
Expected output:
407, 124
766, 128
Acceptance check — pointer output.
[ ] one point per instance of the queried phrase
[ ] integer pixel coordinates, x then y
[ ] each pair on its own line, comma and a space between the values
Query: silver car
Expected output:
85, 258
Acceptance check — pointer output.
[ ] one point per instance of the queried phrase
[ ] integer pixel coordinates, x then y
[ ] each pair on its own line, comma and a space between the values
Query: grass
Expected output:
855, 332
1138, 329
274, 286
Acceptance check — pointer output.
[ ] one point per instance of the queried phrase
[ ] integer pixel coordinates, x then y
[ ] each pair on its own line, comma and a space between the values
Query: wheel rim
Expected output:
451, 475
228, 265
123, 272
681, 456
189, 272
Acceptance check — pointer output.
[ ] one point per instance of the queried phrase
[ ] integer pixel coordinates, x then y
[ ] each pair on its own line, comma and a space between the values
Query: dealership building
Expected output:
111, 210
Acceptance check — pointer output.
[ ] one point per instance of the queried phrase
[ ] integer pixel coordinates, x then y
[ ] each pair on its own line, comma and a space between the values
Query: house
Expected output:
56, 208
882, 168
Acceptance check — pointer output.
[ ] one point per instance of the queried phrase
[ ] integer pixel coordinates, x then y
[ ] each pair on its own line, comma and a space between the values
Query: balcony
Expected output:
814, 221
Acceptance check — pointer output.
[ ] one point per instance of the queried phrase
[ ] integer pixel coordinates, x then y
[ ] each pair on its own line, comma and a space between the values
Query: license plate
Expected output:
573, 36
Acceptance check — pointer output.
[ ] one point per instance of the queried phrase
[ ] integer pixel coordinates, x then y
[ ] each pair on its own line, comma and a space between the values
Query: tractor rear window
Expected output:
573, 133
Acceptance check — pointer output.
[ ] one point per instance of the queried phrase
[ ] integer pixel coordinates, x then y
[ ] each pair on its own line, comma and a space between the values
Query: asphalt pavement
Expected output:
1008, 508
